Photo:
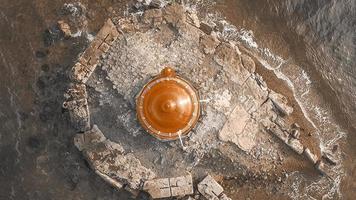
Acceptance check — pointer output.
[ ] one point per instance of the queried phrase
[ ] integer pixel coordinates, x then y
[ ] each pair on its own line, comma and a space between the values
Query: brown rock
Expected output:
248, 63
208, 43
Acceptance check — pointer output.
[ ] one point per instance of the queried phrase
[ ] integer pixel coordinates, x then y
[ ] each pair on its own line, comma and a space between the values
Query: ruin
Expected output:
241, 116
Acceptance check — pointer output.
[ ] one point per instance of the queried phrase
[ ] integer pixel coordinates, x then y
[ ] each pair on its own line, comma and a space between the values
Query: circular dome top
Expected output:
168, 106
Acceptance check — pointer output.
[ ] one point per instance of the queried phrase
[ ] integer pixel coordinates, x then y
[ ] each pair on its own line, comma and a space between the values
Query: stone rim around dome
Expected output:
191, 91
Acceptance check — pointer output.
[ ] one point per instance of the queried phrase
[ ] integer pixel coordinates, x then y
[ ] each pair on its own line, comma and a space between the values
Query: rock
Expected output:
329, 157
192, 18
208, 43
110, 161
64, 27
295, 133
295, 126
311, 157
296, 145
77, 105
252, 95
153, 17
169, 187
206, 28
157, 3
282, 135
280, 102
323, 168
224, 197
248, 63
209, 188
234, 129
93, 136
174, 15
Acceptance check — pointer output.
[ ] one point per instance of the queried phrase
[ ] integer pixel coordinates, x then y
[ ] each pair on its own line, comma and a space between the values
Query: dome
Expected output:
168, 106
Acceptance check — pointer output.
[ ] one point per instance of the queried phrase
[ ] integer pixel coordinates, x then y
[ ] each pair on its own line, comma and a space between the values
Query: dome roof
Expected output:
168, 106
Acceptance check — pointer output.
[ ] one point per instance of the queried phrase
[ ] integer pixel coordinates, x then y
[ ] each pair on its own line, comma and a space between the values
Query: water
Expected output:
37, 160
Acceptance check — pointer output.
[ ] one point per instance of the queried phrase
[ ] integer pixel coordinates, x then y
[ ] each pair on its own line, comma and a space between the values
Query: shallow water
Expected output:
37, 158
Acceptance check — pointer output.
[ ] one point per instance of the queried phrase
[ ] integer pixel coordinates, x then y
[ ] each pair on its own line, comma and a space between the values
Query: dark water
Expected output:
320, 37
37, 158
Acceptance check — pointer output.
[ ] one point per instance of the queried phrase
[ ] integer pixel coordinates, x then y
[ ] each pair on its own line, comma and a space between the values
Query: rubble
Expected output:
77, 105
169, 187
211, 190
238, 105
280, 102
110, 160
88, 61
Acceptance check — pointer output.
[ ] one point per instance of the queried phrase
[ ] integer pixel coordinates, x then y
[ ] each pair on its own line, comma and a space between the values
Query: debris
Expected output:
280, 102
295, 126
312, 157
110, 160
77, 105
64, 27
169, 187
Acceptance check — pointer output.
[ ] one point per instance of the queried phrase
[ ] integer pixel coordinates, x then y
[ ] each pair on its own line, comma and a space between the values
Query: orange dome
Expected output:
168, 106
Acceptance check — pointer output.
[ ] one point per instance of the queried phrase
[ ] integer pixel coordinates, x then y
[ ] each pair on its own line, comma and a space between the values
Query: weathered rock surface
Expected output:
169, 187
77, 105
110, 161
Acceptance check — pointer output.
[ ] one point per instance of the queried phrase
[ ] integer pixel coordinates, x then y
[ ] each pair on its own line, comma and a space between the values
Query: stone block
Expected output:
169, 187
296, 145
282, 135
209, 188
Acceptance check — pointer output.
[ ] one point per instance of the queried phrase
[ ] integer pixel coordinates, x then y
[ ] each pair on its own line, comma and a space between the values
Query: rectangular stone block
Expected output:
296, 145
209, 188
